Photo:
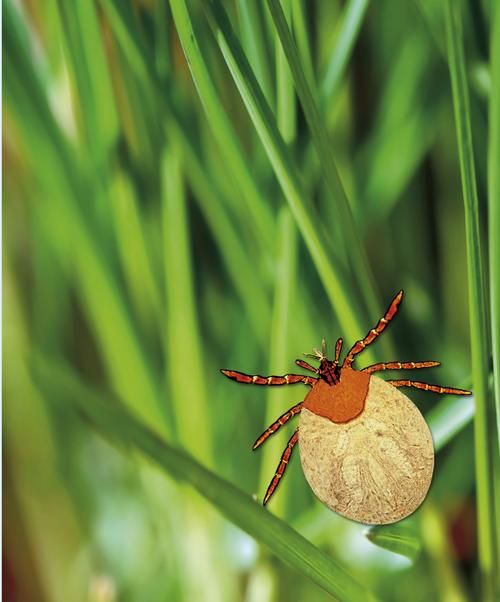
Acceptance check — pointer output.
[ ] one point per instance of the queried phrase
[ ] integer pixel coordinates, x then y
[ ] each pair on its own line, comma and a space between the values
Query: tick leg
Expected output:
287, 379
374, 332
427, 387
283, 419
398, 366
280, 471
306, 366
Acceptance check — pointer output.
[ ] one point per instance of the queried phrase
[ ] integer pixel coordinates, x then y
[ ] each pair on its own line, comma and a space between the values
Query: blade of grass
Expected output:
284, 284
349, 26
494, 203
65, 192
300, 28
448, 418
229, 146
236, 258
92, 92
335, 282
477, 298
401, 538
182, 337
279, 359
114, 422
323, 147
207, 194
254, 41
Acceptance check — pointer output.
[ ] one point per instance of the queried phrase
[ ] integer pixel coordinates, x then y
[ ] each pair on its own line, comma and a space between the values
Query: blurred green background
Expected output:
178, 200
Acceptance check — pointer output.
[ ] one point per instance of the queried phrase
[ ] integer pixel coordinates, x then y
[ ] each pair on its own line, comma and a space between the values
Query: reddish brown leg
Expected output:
338, 349
427, 387
374, 332
287, 379
398, 366
278, 424
306, 366
280, 471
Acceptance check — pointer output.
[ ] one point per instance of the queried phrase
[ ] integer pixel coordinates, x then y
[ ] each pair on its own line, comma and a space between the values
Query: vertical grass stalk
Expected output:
478, 311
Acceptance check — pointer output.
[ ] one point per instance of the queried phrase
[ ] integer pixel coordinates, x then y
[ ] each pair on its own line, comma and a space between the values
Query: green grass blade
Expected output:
279, 354
335, 282
494, 204
352, 17
300, 28
93, 95
320, 140
254, 41
182, 336
400, 538
113, 421
223, 132
477, 296
448, 418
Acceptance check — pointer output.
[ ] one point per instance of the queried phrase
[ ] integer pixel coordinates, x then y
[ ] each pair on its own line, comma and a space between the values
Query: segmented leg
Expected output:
280, 471
338, 348
374, 332
283, 419
398, 366
427, 387
287, 379
306, 366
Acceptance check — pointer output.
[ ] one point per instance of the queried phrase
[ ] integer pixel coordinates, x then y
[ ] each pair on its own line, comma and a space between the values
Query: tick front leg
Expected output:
428, 387
280, 471
283, 419
398, 366
374, 332
287, 379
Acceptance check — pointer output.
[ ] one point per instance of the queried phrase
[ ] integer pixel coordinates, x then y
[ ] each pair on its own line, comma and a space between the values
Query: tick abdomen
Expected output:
376, 468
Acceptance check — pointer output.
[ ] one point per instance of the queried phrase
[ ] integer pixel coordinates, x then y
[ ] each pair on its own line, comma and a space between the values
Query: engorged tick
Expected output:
365, 448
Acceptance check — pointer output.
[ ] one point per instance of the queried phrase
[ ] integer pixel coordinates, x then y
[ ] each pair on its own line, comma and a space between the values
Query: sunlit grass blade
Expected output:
256, 45
222, 129
448, 418
131, 240
401, 538
478, 310
279, 359
494, 204
335, 281
349, 26
183, 346
320, 140
114, 422
235, 256
92, 94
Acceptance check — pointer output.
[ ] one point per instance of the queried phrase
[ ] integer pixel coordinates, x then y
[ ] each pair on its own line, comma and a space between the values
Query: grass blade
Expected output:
494, 204
323, 148
114, 422
221, 127
400, 538
349, 27
477, 296
334, 280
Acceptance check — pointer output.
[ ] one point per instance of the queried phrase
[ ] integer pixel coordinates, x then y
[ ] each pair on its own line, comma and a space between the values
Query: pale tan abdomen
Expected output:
375, 469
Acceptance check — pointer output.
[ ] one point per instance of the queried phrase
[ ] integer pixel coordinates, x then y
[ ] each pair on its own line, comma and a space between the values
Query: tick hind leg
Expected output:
283, 419
427, 387
398, 366
280, 471
374, 332
255, 379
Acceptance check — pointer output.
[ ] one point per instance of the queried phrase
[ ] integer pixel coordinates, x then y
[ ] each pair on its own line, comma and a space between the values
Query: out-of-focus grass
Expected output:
172, 206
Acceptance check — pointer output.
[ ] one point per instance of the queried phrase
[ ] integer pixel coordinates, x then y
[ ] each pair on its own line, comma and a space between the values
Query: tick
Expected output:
365, 448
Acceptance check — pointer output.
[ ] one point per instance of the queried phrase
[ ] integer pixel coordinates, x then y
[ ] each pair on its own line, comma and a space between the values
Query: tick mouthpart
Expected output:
329, 371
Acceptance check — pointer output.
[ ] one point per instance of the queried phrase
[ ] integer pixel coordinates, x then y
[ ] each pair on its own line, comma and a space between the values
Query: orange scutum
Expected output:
341, 402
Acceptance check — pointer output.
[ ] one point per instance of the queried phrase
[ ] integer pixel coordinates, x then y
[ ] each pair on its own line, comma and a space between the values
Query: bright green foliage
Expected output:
193, 185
